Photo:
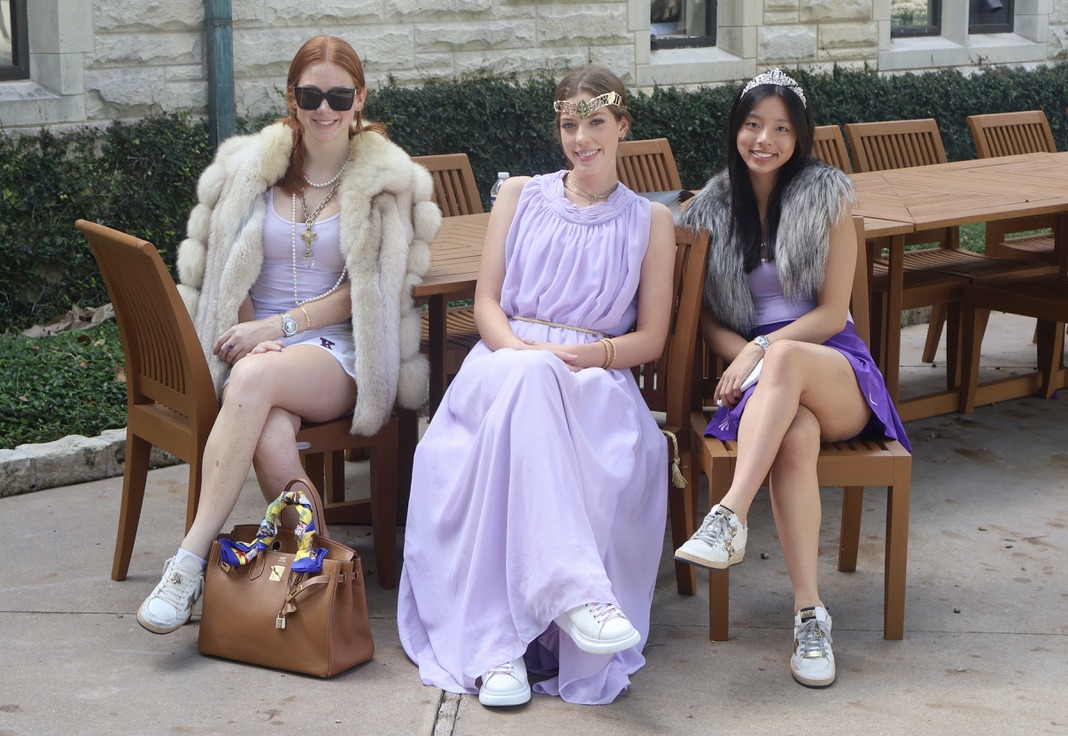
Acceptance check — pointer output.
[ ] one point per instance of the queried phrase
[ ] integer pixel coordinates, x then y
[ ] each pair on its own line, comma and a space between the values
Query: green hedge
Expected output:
141, 177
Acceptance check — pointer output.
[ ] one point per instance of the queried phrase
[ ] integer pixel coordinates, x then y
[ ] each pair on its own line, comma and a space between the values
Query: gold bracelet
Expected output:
306, 317
609, 352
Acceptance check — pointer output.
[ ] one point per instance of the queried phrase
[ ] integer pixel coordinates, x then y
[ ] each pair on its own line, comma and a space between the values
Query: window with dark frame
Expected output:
915, 18
991, 16
682, 23
14, 50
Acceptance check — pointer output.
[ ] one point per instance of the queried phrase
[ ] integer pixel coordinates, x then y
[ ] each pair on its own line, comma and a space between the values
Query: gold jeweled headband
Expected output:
585, 108
779, 78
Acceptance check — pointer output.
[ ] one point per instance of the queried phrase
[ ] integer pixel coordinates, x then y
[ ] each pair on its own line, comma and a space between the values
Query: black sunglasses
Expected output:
340, 99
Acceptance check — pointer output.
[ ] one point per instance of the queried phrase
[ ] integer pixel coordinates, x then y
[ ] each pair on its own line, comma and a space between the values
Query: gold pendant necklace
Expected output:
309, 235
586, 195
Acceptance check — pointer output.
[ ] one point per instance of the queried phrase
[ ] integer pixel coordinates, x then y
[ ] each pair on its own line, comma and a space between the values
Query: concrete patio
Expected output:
985, 648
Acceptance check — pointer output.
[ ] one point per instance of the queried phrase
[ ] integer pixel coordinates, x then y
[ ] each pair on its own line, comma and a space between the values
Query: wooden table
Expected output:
455, 252
947, 195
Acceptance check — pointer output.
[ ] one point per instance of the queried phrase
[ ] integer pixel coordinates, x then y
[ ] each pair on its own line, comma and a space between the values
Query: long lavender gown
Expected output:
536, 489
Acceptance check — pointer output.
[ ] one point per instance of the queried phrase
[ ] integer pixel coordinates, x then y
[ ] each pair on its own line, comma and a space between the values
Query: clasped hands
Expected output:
247, 338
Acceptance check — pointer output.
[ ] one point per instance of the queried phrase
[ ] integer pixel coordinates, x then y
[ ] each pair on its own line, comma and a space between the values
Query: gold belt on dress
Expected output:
556, 324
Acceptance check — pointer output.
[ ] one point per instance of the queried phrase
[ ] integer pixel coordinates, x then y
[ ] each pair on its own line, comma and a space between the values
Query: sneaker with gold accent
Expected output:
169, 606
812, 663
719, 543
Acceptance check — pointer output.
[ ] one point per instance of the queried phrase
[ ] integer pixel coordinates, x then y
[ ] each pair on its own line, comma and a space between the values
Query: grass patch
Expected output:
70, 383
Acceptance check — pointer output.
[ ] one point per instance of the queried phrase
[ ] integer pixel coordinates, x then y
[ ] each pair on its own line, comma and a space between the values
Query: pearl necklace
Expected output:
586, 195
325, 184
293, 242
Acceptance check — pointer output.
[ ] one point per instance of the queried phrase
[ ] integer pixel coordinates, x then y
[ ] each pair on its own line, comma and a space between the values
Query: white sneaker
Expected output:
812, 663
505, 684
599, 628
719, 543
170, 605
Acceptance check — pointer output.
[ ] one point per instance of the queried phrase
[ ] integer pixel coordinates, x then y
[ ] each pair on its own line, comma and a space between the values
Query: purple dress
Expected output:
536, 489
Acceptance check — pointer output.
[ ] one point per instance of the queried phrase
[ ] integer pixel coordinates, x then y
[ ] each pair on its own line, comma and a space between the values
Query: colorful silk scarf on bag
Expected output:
307, 559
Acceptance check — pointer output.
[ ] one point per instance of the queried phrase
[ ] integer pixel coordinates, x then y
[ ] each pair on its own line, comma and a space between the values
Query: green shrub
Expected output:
141, 177
70, 383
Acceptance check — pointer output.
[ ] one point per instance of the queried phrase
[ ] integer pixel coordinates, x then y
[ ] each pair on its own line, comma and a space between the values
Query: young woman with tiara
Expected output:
780, 273
538, 501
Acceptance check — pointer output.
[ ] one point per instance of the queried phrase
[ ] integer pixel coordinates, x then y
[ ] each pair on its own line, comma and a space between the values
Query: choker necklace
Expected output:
586, 195
309, 235
293, 243
325, 184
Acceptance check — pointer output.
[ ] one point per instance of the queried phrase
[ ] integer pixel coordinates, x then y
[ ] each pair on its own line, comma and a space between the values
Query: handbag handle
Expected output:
316, 501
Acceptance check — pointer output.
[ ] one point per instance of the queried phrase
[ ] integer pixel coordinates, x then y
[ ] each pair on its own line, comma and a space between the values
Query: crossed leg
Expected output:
262, 406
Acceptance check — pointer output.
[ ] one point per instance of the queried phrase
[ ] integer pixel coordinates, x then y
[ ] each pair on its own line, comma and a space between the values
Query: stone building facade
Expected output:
93, 61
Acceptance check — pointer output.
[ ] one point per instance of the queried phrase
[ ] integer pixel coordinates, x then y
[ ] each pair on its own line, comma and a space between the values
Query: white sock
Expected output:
182, 554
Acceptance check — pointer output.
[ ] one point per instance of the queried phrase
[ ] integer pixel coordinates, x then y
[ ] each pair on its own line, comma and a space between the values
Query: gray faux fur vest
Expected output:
815, 200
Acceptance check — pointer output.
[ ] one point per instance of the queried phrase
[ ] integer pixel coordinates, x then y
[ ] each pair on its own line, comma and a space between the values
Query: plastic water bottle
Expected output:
501, 176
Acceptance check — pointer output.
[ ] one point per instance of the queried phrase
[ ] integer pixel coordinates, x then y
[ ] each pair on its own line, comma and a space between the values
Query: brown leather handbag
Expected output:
273, 608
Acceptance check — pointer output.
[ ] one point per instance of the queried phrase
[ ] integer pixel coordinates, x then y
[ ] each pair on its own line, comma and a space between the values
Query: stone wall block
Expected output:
781, 44
475, 36
781, 6
322, 14
415, 10
848, 35
600, 24
148, 15
129, 87
786, 18
16, 473
73, 459
130, 49
835, 11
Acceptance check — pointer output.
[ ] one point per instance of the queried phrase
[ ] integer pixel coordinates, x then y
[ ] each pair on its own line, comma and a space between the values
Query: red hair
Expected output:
320, 50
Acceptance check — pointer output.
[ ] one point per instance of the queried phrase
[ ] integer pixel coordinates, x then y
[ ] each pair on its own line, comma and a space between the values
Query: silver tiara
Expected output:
779, 78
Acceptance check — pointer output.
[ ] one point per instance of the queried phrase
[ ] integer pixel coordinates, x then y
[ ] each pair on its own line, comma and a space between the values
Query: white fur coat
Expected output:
387, 220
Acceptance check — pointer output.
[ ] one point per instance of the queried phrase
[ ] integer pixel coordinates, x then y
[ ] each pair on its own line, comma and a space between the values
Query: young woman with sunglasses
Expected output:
301, 252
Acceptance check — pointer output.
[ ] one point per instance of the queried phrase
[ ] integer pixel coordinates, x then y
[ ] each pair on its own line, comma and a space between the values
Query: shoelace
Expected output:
603, 611
505, 668
714, 528
179, 589
813, 640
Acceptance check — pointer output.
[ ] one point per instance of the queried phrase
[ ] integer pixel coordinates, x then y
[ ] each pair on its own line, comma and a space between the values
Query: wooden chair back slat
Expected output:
1011, 133
829, 146
455, 191
895, 144
647, 166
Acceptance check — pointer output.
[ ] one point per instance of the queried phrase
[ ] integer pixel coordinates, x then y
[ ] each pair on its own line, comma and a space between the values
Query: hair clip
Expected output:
585, 108
779, 78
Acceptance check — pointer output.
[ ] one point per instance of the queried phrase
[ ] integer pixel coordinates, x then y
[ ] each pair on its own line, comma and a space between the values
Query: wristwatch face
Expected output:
289, 325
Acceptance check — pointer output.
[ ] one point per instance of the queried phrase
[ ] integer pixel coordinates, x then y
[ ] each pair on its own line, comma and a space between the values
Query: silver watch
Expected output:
763, 342
289, 325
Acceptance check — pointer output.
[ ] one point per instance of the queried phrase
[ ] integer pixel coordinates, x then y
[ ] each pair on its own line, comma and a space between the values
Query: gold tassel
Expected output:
677, 478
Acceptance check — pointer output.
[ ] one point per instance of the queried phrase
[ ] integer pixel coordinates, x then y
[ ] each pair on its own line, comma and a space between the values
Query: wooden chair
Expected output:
1045, 298
456, 193
898, 144
668, 389
171, 403
1010, 134
829, 146
853, 465
647, 166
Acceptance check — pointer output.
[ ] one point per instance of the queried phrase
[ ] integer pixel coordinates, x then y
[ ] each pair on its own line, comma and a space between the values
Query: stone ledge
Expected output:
73, 459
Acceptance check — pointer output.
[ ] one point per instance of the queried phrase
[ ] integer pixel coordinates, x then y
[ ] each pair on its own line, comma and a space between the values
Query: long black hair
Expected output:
745, 214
